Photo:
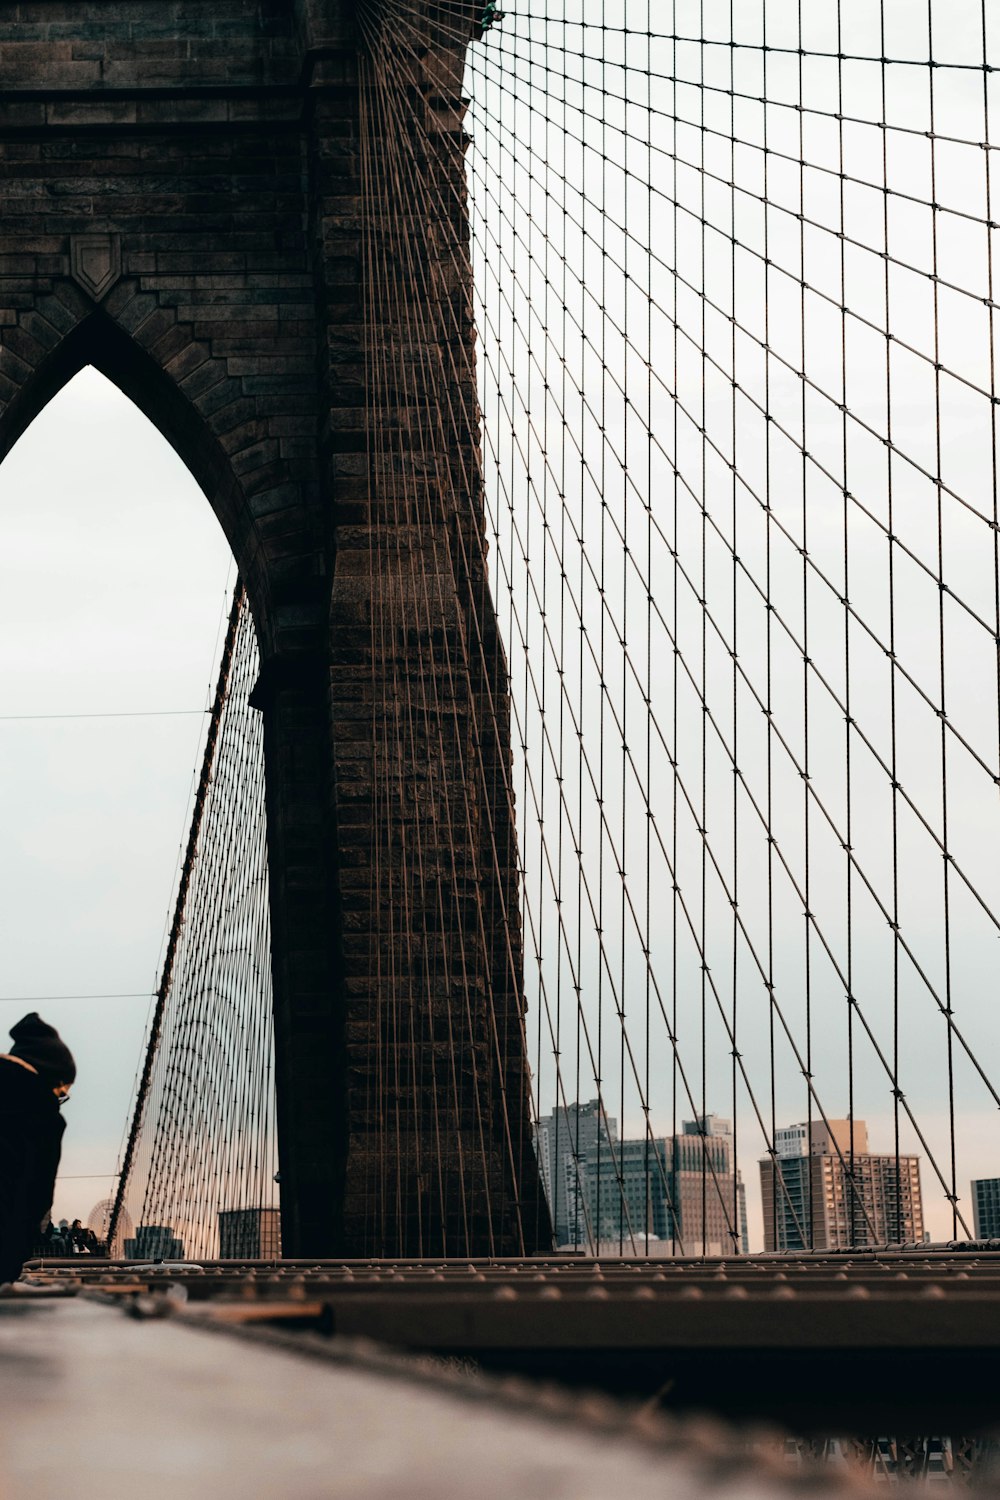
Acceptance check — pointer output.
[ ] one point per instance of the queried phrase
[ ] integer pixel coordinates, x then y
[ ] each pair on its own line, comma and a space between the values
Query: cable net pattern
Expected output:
692, 446
736, 303
198, 1177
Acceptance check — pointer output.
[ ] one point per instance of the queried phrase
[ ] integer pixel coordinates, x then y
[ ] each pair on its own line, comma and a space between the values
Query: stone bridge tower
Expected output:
250, 215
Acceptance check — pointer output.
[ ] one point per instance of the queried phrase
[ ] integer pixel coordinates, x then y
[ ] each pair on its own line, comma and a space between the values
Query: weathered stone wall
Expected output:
184, 203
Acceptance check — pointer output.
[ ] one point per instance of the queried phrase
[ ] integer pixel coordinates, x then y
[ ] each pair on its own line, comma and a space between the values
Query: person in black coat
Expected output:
35, 1078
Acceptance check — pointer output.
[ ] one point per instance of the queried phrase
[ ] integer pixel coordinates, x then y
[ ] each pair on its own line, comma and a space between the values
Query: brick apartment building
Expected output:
837, 1194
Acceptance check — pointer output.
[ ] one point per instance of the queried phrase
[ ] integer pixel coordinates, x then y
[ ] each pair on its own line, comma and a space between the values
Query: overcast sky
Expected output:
114, 577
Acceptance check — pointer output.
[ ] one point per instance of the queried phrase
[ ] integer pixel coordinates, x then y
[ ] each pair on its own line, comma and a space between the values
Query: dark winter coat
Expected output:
31, 1131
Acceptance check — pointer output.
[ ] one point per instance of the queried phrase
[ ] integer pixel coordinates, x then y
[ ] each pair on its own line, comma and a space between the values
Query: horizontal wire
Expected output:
762, 46
150, 713
46, 999
83, 1176
699, 87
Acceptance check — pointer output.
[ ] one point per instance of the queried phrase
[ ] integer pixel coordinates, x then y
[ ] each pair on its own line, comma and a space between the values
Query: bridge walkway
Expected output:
99, 1403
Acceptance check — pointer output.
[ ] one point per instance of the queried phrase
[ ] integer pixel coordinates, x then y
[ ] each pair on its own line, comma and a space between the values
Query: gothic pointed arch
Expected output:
263, 502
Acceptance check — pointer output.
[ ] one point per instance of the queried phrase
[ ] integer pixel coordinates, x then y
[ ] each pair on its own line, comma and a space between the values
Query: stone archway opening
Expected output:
114, 580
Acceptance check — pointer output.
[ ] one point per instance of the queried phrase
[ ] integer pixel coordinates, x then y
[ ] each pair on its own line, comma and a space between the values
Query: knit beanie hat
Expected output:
38, 1043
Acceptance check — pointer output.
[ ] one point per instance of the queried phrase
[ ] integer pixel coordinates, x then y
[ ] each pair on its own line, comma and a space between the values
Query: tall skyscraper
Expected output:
838, 1194
154, 1242
711, 1195
563, 1141
986, 1208
630, 1192
249, 1234
679, 1189
792, 1140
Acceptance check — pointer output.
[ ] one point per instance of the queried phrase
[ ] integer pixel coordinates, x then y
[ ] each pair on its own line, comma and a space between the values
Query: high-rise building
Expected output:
154, 1242
792, 1140
711, 1195
838, 1194
630, 1193
680, 1189
562, 1142
986, 1208
249, 1234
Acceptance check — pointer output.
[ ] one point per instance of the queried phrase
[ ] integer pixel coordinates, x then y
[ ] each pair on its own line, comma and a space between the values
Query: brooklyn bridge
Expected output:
573, 1066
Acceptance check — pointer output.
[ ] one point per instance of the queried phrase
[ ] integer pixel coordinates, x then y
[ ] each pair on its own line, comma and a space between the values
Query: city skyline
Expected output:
824, 1189
613, 1192
637, 1194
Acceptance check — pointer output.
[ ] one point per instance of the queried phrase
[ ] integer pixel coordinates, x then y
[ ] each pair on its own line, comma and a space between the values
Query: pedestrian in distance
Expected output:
35, 1079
